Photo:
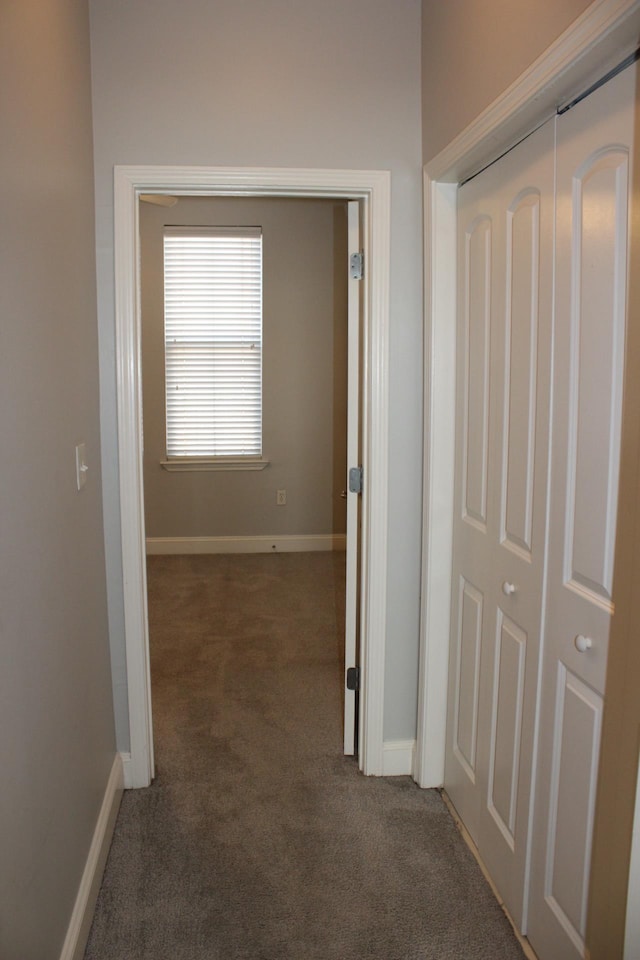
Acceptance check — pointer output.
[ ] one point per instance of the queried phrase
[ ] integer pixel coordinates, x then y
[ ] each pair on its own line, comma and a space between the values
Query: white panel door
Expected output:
505, 261
351, 657
594, 148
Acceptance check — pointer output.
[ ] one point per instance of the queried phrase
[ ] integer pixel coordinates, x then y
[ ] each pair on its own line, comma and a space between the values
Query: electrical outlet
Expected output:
281, 497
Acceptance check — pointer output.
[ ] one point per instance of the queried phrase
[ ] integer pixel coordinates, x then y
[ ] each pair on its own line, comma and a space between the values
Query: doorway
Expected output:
535, 520
372, 190
276, 383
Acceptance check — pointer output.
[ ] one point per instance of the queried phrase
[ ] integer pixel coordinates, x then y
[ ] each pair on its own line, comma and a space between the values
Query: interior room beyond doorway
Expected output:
304, 387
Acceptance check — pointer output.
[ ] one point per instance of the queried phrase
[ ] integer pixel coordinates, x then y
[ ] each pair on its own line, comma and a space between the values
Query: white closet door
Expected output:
594, 149
505, 259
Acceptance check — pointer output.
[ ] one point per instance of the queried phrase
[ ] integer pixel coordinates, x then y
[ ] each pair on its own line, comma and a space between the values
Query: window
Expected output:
213, 346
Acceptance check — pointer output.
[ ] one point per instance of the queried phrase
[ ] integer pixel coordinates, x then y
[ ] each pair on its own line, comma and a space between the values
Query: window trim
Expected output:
203, 464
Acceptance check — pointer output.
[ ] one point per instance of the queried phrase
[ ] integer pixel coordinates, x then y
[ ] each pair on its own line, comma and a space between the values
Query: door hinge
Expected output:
355, 479
353, 678
356, 266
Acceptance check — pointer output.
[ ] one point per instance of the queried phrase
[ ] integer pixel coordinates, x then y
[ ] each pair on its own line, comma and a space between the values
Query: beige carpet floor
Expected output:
258, 840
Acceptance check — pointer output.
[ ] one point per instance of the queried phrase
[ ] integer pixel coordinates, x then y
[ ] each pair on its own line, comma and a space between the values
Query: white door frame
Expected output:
372, 189
598, 40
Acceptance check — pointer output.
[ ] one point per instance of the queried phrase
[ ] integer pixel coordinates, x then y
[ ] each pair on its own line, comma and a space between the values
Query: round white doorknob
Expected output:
583, 643
508, 588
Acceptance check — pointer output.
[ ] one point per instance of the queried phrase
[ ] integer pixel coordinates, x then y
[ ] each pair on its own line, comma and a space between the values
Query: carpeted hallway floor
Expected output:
258, 840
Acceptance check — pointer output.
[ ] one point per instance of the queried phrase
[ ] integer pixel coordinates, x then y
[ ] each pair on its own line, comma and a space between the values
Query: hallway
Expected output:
258, 839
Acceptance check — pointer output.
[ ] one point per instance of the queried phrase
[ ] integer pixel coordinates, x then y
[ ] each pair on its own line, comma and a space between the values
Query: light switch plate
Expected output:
81, 465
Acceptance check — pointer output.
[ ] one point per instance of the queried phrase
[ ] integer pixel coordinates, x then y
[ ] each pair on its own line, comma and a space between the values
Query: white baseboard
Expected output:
80, 923
301, 544
127, 770
397, 758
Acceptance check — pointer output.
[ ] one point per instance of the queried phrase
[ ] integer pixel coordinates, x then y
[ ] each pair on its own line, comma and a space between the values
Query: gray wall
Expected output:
56, 719
473, 50
304, 376
285, 84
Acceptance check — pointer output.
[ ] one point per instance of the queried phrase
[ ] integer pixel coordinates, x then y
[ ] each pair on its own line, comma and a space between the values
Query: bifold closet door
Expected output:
505, 270
594, 154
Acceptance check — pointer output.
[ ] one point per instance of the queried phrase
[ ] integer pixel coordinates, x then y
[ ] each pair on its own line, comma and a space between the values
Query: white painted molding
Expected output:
82, 915
219, 464
188, 181
309, 543
127, 770
438, 474
601, 37
375, 459
129, 401
373, 189
398, 758
598, 39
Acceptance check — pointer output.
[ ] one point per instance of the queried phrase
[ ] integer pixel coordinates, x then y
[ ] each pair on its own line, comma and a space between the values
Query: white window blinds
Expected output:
213, 341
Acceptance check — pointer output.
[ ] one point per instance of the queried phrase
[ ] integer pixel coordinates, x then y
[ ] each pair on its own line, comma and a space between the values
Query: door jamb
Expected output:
597, 40
372, 189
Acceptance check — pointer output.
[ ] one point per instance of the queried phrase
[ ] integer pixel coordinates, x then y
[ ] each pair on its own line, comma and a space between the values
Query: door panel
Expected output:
506, 725
596, 356
469, 639
353, 499
505, 231
518, 454
579, 713
593, 190
477, 342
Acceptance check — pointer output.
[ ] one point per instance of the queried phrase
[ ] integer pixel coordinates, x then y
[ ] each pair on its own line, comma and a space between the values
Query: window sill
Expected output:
215, 463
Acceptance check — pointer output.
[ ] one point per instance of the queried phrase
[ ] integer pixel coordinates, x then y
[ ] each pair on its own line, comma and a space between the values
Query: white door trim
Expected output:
372, 188
596, 41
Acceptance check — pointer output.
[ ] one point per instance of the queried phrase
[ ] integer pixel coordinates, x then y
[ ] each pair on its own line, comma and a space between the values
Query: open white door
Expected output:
353, 460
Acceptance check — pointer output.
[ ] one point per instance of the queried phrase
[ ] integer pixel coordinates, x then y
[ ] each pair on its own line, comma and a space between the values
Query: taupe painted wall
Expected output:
472, 50
57, 740
618, 774
330, 84
304, 376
